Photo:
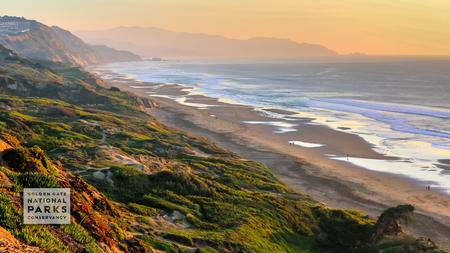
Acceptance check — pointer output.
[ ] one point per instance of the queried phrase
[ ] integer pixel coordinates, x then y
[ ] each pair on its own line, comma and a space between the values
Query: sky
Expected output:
411, 27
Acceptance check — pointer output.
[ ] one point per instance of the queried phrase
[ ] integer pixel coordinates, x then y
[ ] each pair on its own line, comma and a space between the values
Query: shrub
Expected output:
27, 160
102, 118
346, 231
16, 158
118, 231
77, 233
40, 236
141, 209
196, 222
129, 179
164, 204
389, 221
48, 142
60, 111
143, 220
303, 229
161, 245
37, 180
392, 241
10, 217
180, 238
182, 184
132, 136
178, 199
124, 172
223, 214
157, 129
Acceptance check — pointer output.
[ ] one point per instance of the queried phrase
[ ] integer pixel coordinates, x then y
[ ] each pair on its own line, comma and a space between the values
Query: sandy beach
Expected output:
256, 136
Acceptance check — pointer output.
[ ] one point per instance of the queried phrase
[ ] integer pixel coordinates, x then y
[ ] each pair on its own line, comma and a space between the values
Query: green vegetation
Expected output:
40, 236
161, 245
10, 218
166, 195
143, 220
346, 230
185, 240
78, 233
141, 209
390, 219
37, 180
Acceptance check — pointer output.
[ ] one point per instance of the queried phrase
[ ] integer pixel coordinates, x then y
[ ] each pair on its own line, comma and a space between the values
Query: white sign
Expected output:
46, 205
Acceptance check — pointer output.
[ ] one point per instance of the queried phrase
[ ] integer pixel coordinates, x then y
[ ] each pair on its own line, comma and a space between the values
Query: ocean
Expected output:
402, 107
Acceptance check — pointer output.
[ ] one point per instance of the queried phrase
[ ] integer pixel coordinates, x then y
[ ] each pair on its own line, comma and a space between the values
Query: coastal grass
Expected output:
216, 202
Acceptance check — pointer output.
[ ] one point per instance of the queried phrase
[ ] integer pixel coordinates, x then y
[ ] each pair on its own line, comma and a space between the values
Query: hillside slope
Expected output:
94, 54
139, 186
108, 54
36, 40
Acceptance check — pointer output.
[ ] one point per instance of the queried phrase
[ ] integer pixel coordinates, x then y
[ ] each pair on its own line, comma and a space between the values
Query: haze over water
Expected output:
402, 107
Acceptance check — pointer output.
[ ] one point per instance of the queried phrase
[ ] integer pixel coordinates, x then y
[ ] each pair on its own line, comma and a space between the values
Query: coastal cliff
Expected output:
140, 186
36, 40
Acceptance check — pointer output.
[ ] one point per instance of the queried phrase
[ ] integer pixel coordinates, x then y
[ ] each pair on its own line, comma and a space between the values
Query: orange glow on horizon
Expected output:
346, 26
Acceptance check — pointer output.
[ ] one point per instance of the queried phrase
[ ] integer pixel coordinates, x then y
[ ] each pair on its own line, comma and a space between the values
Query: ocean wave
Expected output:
391, 107
338, 97
388, 113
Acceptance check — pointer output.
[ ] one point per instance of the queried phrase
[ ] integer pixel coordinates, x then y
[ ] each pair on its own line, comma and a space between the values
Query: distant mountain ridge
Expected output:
149, 42
94, 53
36, 40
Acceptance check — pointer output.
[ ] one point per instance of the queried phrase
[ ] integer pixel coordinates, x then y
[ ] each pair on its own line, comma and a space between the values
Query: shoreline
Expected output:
336, 183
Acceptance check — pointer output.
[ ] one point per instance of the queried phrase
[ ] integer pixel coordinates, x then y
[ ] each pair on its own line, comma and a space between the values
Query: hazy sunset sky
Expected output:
367, 26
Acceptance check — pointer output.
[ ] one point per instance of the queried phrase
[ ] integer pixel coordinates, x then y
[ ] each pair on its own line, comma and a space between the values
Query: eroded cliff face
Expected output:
53, 43
139, 186
43, 43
